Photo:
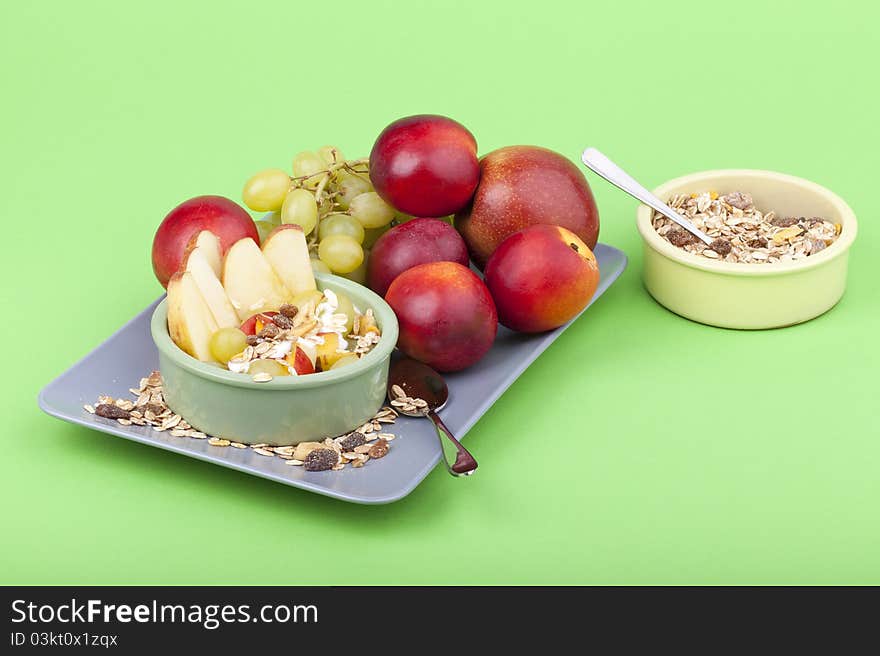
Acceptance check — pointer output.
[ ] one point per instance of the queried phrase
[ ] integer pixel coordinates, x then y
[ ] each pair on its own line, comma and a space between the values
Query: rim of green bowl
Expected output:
839, 247
360, 295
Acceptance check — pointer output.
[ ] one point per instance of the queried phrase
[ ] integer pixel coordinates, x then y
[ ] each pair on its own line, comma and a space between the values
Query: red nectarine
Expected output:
226, 219
541, 277
425, 165
522, 186
412, 243
446, 315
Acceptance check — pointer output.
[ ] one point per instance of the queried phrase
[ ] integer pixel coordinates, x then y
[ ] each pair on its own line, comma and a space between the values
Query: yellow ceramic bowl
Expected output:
750, 296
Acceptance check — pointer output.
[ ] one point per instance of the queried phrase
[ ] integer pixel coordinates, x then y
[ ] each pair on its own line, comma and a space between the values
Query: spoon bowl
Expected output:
416, 390
419, 381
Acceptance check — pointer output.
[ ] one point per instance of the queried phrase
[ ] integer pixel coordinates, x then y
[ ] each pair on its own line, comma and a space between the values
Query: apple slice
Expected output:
250, 282
288, 253
256, 323
190, 322
196, 263
309, 350
210, 245
300, 361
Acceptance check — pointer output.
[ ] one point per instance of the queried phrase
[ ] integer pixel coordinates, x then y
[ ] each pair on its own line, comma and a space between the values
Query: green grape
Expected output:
319, 267
300, 208
263, 229
274, 218
350, 186
345, 361
267, 367
371, 235
266, 190
341, 224
226, 343
327, 154
370, 210
341, 253
359, 275
310, 164
346, 307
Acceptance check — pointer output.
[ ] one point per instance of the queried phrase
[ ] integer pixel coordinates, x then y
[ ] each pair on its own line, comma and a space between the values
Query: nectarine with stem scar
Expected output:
541, 277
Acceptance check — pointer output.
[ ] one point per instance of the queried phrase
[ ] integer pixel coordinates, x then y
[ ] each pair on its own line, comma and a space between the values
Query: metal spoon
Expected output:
419, 381
604, 167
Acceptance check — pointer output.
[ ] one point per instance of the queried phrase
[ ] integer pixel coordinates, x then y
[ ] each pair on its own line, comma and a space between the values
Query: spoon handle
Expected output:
464, 464
605, 168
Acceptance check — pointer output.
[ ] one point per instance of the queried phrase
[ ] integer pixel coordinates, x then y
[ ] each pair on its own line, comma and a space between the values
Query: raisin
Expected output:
379, 448
757, 242
252, 340
680, 237
738, 199
784, 221
111, 411
352, 441
321, 460
155, 408
269, 331
281, 321
288, 310
721, 246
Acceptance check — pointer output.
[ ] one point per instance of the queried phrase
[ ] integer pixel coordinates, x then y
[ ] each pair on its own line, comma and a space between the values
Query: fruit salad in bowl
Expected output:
253, 346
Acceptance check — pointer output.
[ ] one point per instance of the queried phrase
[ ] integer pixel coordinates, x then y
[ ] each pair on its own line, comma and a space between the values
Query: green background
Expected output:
640, 448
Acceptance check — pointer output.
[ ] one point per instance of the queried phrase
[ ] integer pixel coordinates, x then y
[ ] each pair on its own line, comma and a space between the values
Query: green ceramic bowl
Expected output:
749, 296
285, 410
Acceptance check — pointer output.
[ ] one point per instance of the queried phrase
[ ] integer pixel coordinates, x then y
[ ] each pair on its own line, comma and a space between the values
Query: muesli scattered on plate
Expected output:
743, 233
369, 441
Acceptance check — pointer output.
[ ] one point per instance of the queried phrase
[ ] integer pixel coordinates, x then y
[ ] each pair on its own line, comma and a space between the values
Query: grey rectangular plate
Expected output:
129, 354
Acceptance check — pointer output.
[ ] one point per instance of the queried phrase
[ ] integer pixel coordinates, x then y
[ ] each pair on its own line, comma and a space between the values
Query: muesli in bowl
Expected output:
300, 399
779, 254
743, 233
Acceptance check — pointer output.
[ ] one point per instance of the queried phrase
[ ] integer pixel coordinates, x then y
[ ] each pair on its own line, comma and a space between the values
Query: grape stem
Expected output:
319, 191
360, 175
326, 175
349, 165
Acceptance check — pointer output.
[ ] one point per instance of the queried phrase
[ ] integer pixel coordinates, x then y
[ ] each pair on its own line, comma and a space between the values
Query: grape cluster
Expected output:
334, 202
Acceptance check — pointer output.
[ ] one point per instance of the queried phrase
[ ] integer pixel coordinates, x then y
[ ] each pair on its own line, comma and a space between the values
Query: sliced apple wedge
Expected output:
196, 263
190, 322
210, 245
250, 282
310, 350
288, 253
